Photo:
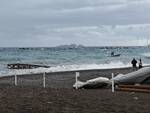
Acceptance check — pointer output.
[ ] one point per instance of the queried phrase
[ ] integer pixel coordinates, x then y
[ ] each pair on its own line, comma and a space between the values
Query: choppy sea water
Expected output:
66, 59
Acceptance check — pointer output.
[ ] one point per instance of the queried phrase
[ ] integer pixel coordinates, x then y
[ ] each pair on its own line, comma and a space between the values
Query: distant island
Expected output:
71, 46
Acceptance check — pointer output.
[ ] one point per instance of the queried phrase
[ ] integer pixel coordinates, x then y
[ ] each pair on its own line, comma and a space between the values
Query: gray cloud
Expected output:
89, 22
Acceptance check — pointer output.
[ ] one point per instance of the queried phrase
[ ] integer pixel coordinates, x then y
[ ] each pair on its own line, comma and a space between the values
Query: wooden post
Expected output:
112, 80
16, 80
77, 75
44, 84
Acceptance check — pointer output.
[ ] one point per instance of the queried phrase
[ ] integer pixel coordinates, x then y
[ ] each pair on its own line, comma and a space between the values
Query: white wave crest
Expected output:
147, 55
66, 68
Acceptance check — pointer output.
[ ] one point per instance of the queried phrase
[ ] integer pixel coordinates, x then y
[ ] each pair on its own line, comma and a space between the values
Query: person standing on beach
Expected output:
134, 62
140, 64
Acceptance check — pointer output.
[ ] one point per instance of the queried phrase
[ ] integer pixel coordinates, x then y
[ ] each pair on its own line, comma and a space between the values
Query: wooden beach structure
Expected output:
134, 88
24, 66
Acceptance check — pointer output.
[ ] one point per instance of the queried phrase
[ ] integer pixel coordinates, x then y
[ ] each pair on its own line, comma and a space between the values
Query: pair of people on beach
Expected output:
134, 62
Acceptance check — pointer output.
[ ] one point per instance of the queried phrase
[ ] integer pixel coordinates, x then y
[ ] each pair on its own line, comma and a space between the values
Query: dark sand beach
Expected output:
59, 96
61, 79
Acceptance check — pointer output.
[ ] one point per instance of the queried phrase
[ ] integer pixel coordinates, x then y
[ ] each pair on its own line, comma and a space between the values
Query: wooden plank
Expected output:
24, 66
133, 90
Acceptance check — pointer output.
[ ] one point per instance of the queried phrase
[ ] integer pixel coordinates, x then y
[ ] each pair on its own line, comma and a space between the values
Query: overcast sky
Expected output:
26, 23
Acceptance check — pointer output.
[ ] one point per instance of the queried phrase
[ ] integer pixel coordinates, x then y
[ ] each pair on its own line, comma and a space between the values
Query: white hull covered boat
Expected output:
142, 76
92, 83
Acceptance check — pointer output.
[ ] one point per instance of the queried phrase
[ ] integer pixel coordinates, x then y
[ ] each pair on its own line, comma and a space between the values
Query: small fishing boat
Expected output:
114, 55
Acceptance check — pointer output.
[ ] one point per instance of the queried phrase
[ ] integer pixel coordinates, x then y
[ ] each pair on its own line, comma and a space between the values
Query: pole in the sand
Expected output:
112, 80
15, 80
44, 84
77, 75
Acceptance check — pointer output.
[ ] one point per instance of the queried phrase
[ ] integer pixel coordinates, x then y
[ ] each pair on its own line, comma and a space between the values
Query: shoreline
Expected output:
64, 79
77, 70
80, 70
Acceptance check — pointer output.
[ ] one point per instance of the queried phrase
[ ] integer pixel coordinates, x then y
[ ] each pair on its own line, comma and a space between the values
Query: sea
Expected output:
70, 58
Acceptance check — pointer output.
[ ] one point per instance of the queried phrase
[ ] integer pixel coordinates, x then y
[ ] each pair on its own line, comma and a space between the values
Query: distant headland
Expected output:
71, 46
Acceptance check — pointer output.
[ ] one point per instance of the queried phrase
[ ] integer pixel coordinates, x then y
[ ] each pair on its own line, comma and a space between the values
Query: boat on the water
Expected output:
114, 55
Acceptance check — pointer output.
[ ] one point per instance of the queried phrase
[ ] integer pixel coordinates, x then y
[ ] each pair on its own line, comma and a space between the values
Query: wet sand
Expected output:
60, 97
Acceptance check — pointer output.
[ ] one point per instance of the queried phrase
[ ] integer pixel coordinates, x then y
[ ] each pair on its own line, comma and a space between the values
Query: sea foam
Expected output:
146, 54
60, 68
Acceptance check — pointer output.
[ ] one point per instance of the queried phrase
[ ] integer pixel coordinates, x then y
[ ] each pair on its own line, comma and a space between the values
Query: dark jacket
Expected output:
134, 62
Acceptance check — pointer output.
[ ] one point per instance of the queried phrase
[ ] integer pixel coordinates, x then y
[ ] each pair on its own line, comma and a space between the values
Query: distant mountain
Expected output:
71, 46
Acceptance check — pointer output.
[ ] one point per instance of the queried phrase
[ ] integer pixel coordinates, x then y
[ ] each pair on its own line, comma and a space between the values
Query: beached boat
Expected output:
99, 82
141, 76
